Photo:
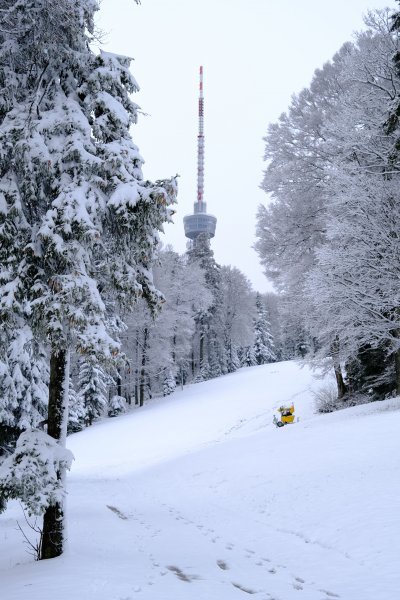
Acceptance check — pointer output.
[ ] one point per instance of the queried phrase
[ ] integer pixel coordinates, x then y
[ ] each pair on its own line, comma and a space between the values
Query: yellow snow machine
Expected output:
287, 416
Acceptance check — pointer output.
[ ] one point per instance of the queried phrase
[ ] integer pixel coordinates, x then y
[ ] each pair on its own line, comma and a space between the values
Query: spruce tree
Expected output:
92, 388
208, 337
263, 342
116, 405
248, 357
233, 361
169, 383
76, 410
79, 223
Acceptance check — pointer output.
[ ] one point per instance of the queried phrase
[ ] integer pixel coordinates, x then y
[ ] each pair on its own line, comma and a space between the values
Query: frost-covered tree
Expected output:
237, 314
76, 410
357, 272
393, 121
169, 335
248, 357
81, 223
116, 405
293, 226
330, 237
263, 342
186, 294
169, 383
209, 355
92, 388
23, 379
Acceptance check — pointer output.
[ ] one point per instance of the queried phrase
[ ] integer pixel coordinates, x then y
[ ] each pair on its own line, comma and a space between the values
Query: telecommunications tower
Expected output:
200, 222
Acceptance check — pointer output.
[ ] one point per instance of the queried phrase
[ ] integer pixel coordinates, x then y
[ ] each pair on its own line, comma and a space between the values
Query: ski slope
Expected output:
199, 497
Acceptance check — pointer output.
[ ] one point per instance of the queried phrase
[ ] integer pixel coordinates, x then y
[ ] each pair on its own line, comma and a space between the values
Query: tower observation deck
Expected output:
200, 222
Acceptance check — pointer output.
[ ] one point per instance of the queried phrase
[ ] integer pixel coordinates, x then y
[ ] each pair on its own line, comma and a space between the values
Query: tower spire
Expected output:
200, 222
200, 147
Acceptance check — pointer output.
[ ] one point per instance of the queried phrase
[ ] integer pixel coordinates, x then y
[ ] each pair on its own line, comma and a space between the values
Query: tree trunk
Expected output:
201, 349
173, 353
397, 364
397, 371
193, 366
341, 386
119, 383
142, 386
137, 369
53, 519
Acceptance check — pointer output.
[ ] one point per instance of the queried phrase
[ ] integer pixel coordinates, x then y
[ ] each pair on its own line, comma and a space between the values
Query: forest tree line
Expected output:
211, 323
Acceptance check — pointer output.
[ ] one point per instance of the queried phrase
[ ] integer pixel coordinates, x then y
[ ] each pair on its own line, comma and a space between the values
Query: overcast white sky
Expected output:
256, 54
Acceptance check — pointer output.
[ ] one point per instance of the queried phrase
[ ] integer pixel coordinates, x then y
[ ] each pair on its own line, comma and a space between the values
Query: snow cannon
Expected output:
287, 416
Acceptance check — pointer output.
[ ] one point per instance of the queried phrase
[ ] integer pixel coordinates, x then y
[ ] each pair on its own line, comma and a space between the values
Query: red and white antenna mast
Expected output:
200, 223
200, 148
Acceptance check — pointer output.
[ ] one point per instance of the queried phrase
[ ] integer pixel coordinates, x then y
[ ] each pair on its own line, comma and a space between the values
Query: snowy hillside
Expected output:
200, 497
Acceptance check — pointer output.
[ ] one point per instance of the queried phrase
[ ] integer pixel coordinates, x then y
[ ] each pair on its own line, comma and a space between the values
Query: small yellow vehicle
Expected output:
287, 416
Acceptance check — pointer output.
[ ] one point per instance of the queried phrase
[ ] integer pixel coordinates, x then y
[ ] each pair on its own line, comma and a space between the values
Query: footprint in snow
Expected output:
244, 589
117, 512
181, 575
222, 565
297, 586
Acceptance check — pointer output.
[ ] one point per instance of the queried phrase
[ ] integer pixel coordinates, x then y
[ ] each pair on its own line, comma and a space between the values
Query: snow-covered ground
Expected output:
200, 497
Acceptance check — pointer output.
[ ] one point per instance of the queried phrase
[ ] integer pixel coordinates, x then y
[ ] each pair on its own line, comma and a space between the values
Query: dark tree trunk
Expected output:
137, 369
397, 371
341, 386
173, 354
397, 365
119, 384
201, 349
53, 520
142, 385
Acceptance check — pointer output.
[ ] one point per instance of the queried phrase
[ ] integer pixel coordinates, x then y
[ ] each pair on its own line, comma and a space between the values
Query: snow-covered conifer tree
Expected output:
263, 343
248, 358
23, 379
80, 221
208, 338
76, 410
237, 314
92, 388
116, 405
169, 383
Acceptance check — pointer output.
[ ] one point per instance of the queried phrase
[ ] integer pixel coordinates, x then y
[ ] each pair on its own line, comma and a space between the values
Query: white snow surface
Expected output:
200, 497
